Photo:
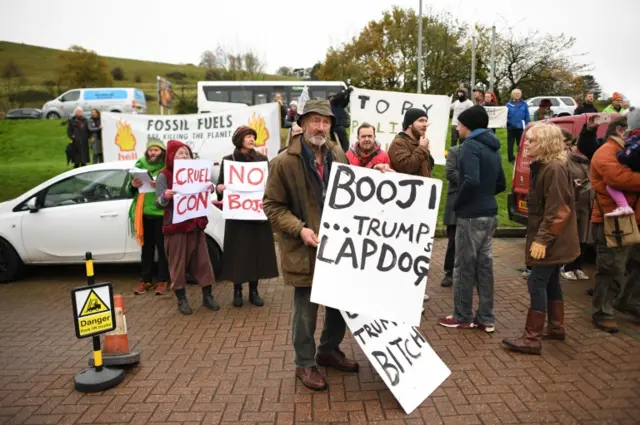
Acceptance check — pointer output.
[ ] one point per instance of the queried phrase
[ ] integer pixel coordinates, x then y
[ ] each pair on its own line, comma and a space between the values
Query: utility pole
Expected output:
492, 74
420, 48
473, 61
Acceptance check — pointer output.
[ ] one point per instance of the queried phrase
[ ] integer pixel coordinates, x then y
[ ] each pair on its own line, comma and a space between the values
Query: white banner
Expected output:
376, 239
124, 136
385, 111
402, 357
497, 116
192, 182
244, 189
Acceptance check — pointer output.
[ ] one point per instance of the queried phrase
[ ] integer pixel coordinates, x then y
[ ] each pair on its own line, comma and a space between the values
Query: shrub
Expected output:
117, 73
25, 96
138, 78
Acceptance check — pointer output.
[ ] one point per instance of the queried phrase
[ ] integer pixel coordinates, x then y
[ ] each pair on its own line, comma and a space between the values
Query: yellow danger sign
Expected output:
93, 305
96, 316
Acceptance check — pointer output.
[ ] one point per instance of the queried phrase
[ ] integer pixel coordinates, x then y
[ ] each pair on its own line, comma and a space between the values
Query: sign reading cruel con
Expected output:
192, 182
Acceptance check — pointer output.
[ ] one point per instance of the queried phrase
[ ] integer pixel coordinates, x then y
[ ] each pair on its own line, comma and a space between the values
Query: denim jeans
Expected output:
544, 286
610, 285
305, 315
474, 267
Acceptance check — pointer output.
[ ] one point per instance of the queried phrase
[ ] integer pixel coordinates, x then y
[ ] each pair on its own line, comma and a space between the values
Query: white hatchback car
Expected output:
84, 209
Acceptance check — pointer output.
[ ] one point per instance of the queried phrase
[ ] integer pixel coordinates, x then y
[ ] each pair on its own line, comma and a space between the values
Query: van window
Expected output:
139, 96
241, 96
214, 95
71, 96
568, 101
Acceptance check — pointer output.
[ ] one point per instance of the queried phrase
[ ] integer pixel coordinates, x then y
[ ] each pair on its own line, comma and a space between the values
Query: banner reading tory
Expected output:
192, 183
244, 189
376, 238
124, 136
402, 357
385, 111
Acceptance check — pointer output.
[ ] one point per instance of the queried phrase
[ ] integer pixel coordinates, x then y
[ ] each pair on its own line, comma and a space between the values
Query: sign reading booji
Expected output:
93, 310
244, 189
376, 238
191, 181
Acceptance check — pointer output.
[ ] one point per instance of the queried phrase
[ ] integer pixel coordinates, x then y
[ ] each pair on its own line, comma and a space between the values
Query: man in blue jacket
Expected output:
517, 119
480, 178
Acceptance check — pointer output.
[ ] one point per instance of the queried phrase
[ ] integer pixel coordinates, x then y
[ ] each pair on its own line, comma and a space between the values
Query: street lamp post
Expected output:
420, 48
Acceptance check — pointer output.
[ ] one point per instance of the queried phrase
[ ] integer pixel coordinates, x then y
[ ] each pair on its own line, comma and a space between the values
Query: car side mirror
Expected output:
32, 206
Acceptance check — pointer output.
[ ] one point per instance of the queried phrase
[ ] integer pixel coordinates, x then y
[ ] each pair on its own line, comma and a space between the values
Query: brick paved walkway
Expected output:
235, 365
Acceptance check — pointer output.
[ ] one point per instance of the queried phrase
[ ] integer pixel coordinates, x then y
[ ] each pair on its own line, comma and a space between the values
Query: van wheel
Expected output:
11, 266
53, 116
215, 256
117, 112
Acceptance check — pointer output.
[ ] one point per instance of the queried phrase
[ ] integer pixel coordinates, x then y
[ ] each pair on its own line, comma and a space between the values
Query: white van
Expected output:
125, 100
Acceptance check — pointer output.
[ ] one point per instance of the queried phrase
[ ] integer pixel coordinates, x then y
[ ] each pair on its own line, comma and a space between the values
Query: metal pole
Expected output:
420, 48
493, 58
473, 62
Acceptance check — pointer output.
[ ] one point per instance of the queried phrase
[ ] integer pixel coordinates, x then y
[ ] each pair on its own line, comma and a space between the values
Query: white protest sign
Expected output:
124, 136
497, 116
191, 181
145, 178
376, 238
385, 111
402, 357
244, 189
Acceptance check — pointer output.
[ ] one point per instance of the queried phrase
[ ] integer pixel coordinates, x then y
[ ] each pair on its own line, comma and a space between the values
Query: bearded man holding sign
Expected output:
293, 202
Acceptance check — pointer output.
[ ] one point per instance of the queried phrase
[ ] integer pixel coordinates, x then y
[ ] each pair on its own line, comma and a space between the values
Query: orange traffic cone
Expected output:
115, 351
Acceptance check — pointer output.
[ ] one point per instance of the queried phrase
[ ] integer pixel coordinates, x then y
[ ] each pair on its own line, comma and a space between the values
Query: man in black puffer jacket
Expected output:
480, 178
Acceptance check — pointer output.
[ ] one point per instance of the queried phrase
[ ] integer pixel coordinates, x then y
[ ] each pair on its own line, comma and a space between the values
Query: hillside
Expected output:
39, 65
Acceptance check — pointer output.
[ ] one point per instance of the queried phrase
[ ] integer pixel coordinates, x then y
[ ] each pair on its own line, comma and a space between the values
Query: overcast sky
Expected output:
287, 34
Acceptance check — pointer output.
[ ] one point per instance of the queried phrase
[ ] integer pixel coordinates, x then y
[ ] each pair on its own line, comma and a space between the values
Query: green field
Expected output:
33, 151
39, 64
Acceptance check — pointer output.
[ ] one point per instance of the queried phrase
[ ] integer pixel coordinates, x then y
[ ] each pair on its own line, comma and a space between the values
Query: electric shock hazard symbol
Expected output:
93, 310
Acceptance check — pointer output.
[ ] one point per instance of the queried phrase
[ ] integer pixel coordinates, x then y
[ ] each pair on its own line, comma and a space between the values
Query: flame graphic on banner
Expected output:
125, 139
259, 124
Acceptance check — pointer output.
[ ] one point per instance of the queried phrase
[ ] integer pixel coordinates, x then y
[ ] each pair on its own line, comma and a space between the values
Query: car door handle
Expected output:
109, 214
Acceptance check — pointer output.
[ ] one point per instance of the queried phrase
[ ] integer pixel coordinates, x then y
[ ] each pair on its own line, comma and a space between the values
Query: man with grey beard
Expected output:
293, 201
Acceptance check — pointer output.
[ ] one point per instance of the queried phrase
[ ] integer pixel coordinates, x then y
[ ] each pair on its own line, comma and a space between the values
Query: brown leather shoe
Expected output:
555, 328
311, 378
337, 360
531, 341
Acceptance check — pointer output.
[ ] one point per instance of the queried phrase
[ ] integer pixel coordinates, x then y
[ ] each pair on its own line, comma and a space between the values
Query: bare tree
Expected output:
208, 59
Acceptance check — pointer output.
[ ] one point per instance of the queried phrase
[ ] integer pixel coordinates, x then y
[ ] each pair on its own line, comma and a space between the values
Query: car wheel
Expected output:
11, 266
215, 256
53, 116
115, 112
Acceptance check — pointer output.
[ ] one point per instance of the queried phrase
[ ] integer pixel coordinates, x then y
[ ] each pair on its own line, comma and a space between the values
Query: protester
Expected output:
78, 132
544, 111
341, 122
616, 105
95, 128
293, 202
249, 251
462, 103
409, 151
185, 243
449, 219
481, 178
282, 108
366, 152
146, 221
478, 97
587, 107
610, 290
517, 119
578, 165
552, 236
490, 99
292, 114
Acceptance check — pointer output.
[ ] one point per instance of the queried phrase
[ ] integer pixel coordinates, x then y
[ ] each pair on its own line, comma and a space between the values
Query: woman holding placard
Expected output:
249, 251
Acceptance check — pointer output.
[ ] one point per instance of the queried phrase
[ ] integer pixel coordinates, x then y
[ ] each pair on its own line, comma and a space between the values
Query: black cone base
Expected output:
92, 381
128, 359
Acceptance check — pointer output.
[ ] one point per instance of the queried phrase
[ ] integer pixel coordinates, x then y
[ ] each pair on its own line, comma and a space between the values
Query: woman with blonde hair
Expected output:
552, 236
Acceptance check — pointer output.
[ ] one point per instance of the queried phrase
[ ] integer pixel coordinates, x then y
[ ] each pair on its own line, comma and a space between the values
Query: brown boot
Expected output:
531, 341
311, 378
337, 360
555, 328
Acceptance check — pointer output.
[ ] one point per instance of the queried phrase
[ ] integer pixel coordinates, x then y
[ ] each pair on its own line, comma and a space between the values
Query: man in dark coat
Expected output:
451, 170
587, 107
78, 132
